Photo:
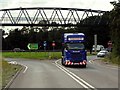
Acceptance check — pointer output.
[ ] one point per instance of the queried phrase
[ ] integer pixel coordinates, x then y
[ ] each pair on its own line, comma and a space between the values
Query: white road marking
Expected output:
25, 67
15, 62
72, 77
90, 61
9, 83
75, 77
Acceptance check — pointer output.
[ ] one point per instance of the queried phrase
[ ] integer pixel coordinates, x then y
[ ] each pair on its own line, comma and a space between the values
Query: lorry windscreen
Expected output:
75, 46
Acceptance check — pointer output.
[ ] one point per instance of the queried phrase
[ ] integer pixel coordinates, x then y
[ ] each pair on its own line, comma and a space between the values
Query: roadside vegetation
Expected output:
0, 70
112, 59
33, 55
8, 71
115, 33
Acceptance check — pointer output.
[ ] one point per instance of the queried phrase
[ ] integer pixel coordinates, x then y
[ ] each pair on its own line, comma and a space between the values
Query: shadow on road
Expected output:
76, 66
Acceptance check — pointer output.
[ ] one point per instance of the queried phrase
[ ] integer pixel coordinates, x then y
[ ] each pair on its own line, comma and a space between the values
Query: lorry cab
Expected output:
73, 52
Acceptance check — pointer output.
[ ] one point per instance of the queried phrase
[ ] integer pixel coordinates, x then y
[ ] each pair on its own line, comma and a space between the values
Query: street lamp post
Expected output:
53, 45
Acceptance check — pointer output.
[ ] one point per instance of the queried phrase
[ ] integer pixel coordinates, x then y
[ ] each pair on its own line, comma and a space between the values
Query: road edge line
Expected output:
12, 79
17, 73
26, 67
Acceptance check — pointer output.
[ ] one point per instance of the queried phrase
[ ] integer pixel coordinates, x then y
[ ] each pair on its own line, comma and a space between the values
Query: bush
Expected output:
113, 59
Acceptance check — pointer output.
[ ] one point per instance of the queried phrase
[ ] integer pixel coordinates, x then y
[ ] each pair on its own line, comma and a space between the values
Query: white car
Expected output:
98, 48
102, 53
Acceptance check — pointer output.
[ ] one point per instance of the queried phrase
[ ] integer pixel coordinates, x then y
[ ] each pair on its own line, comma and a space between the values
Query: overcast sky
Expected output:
83, 4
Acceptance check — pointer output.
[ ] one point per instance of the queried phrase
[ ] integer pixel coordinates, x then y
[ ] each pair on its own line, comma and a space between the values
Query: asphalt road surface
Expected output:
51, 74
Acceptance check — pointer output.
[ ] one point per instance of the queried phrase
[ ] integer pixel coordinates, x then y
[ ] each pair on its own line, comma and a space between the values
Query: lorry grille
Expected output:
76, 57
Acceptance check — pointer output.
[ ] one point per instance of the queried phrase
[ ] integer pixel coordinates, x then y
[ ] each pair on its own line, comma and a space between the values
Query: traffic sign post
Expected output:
109, 46
53, 45
45, 44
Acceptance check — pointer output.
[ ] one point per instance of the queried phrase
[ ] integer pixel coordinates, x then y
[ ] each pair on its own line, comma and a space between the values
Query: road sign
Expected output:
44, 43
32, 46
110, 44
53, 44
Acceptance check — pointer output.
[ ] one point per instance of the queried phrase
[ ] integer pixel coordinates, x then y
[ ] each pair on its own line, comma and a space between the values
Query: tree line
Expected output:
114, 17
19, 38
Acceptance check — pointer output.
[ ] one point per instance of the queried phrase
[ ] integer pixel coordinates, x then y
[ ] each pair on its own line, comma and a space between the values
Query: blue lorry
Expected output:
73, 49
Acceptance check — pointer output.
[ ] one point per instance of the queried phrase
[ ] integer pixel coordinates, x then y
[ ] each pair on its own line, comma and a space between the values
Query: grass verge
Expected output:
8, 71
0, 70
32, 55
113, 60
35, 55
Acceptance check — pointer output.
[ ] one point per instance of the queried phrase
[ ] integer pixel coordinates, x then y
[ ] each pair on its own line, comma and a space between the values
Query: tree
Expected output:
95, 25
115, 29
3, 40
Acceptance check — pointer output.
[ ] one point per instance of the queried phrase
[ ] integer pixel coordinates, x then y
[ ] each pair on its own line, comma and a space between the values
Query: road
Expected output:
51, 74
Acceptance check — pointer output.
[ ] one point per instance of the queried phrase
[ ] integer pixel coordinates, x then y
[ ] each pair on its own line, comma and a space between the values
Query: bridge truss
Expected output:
45, 16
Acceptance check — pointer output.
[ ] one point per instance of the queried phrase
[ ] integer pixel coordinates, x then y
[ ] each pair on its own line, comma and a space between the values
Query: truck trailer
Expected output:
73, 49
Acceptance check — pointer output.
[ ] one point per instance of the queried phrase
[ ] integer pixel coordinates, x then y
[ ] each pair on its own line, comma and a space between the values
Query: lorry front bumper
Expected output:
72, 63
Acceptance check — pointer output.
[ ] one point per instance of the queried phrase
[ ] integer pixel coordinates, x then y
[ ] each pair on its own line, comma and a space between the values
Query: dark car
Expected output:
18, 50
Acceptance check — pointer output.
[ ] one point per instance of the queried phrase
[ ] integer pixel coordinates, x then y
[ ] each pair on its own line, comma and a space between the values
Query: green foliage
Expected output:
33, 55
112, 59
8, 71
115, 30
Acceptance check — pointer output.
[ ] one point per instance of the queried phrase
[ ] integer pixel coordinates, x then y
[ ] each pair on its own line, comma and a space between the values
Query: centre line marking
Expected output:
75, 77
72, 77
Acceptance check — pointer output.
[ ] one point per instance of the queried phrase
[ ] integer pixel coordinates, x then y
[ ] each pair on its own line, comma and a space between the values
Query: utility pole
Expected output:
95, 42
